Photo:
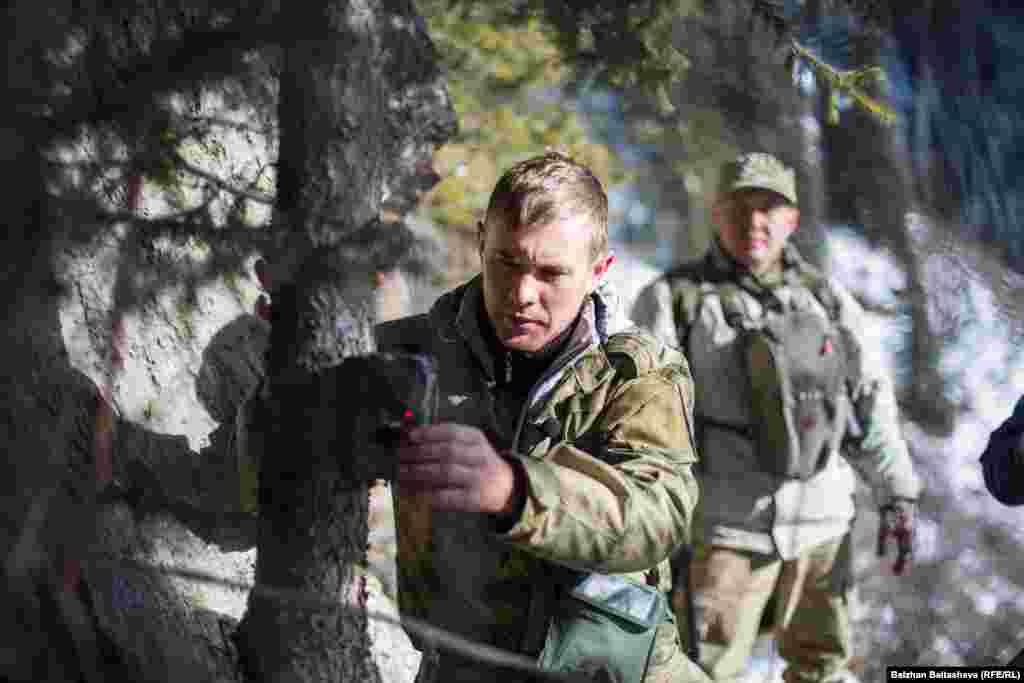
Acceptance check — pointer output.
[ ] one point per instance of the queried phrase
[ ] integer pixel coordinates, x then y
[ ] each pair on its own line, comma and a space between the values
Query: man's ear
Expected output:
719, 211
600, 269
792, 219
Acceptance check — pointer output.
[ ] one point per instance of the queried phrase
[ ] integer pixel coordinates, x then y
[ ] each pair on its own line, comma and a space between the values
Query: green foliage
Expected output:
626, 43
505, 78
853, 84
629, 44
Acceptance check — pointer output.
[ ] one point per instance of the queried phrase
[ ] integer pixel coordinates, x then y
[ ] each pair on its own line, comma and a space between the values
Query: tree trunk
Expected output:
808, 116
313, 525
87, 541
873, 186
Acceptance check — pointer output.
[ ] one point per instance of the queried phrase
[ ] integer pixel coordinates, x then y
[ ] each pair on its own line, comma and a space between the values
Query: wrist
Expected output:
512, 510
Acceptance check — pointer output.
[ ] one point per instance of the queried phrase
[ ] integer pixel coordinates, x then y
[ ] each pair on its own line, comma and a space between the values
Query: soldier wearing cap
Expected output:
768, 526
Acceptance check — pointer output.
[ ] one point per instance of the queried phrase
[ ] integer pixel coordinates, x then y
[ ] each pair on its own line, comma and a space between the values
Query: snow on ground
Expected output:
962, 533
628, 275
981, 360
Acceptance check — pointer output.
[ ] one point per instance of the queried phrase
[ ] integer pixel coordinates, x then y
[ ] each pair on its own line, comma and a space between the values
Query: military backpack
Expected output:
798, 365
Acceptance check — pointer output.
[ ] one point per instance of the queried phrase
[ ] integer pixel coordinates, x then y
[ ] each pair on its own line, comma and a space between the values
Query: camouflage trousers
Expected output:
811, 619
669, 663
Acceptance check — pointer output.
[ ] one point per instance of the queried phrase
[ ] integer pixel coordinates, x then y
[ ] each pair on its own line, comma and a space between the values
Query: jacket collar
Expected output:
725, 267
456, 311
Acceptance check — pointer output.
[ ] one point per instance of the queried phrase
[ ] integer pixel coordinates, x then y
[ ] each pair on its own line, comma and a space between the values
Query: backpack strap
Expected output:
692, 282
821, 289
801, 273
688, 284
735, 311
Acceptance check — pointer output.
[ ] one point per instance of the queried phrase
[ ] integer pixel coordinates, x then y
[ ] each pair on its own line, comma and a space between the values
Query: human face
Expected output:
536, 278
754, 226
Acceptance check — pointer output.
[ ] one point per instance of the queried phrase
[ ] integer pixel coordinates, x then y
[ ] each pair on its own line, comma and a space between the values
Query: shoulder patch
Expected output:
634, 353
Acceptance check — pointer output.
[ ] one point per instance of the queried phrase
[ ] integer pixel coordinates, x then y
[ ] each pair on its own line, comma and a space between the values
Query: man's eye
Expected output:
551, 274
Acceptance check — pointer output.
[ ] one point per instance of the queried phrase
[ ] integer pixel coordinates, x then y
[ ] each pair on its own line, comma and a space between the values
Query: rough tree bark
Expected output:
362, 100
313, 525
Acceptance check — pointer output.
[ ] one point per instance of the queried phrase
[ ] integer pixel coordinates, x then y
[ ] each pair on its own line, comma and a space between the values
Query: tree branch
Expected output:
222, 184
849, 83
200, 55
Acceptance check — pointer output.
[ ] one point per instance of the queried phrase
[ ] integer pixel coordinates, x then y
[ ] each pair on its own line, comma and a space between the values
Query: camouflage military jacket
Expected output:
742, 505
609, 490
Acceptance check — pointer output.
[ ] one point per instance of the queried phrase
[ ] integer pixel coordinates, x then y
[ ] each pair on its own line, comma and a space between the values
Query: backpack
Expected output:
799, 367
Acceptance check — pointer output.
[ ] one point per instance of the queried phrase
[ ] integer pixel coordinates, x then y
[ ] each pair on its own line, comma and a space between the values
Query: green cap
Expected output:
761, 171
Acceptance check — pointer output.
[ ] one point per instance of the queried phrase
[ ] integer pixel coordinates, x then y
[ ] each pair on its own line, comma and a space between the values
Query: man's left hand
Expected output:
457, 468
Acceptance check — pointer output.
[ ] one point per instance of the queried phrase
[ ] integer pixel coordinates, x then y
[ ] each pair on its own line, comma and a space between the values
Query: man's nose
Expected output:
758, 219
524, 291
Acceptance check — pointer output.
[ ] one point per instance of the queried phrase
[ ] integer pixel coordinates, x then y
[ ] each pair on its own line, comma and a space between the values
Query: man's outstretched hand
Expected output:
456, 468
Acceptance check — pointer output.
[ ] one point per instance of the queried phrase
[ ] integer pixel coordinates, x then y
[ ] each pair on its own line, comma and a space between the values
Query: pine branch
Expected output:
220, 183
850, 83
199, 55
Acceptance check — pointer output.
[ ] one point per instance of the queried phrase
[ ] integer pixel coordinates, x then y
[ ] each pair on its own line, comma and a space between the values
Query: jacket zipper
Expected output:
531, 395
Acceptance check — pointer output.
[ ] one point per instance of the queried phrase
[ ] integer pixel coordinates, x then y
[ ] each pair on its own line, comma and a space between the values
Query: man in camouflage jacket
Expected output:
560, 446
762, 534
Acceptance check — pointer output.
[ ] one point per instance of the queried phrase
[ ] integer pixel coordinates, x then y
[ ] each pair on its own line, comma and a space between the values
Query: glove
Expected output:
897, 522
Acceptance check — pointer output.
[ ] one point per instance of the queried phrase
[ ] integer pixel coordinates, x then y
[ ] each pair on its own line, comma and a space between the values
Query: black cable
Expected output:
426, 631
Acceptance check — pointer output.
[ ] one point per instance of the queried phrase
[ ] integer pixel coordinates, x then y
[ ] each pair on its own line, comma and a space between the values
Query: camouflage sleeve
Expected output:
879, 452
625, 505
653, 310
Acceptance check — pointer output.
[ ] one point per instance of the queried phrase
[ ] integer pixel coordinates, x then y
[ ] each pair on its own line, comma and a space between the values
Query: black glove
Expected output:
897, 522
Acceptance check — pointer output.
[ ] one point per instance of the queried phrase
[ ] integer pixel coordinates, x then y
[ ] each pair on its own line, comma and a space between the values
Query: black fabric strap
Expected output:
532, 434
746, 431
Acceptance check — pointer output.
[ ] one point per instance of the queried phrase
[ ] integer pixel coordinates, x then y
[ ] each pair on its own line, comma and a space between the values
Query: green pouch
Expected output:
604, 628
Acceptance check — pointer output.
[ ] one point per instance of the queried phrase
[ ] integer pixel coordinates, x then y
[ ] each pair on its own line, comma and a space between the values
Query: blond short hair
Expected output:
548, 188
